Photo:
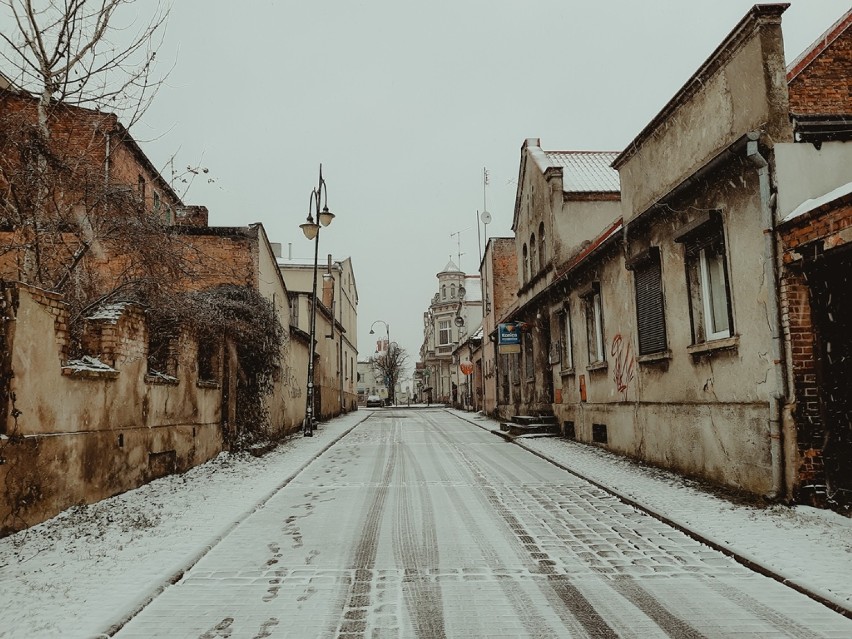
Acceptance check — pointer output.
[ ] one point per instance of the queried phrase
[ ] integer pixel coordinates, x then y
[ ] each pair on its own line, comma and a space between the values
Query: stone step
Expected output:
529, 429
534, 419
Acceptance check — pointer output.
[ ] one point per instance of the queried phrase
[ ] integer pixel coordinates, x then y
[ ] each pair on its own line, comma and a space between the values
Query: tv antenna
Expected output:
457, 235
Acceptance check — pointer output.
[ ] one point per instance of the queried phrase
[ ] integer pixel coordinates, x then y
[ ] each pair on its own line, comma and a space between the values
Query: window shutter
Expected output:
650, 315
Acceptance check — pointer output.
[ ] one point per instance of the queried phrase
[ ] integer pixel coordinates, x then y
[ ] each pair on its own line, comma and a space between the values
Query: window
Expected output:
526, 265
707, 278
529, 366
162, 350
444, 292
533, 258
156, 196
594, 325
444, 332
542, 249
650, 310
452, 291
208, 358
566, 339
140, 185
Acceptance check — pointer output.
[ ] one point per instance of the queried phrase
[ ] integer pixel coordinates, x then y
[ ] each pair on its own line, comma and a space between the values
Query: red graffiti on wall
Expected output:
624, 364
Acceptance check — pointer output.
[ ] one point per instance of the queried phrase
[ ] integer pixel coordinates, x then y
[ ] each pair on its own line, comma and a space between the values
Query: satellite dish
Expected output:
485, 216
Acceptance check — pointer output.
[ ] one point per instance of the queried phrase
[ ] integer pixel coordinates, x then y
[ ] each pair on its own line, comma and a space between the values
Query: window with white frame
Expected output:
707, 278
594, 324
566, 339
444, 332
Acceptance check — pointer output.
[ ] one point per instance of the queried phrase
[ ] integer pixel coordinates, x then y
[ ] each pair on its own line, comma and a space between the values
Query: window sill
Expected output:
597, 366
566, 372
706, 348
654, 358
161, 378
204, 383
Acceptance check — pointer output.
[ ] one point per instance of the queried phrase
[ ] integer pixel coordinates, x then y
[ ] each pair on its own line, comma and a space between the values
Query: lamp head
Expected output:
326, 216
310, 228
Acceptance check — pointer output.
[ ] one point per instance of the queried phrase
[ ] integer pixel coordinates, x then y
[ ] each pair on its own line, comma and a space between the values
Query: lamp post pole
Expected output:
311, 230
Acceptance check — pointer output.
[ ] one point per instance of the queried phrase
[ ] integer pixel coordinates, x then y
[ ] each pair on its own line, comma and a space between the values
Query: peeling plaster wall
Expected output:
83, 437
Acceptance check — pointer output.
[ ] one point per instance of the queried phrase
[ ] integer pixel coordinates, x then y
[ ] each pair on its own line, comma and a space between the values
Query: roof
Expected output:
586, 171
820, 44
451, 268
814, 203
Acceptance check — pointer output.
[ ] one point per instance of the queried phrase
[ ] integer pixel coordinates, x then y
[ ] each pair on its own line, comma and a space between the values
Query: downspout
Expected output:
770, 274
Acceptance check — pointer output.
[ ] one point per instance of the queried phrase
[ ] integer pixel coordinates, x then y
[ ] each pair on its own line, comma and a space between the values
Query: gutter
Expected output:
770, 274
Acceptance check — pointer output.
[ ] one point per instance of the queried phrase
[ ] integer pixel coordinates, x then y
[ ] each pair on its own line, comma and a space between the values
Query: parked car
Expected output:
374, 401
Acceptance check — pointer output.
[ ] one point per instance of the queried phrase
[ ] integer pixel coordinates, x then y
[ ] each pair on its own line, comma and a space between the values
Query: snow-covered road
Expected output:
420, 524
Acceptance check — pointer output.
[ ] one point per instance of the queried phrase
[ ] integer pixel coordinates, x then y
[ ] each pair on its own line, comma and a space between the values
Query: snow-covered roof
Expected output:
814, 203
586, 171
451, 268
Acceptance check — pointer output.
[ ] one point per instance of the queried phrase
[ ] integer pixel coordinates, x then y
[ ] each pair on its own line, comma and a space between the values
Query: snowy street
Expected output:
415, 523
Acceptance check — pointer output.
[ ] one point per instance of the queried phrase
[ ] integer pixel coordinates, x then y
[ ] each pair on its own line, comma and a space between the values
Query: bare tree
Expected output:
76, 52
389, 366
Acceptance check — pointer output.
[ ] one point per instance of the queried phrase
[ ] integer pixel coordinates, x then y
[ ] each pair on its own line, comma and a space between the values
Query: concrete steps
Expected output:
531, 425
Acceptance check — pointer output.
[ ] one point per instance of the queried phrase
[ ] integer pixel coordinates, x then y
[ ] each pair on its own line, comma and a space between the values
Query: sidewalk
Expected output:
87, 570
808, 548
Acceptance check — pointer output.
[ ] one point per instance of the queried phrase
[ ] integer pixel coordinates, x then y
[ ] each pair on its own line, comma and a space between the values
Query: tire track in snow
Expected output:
577, 613
357, 599
522, 604
423, 600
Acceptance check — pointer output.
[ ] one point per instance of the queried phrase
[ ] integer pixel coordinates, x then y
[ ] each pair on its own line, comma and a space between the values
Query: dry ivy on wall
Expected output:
246, 318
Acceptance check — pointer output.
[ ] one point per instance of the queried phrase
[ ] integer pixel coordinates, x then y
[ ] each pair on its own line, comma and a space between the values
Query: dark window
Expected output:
162, 350
650, 310
208, 359
529, 366
568, 430
542, 247
599, 433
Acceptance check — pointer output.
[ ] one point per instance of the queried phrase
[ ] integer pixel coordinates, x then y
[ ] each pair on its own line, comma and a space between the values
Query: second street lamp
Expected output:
387, 353
311, 230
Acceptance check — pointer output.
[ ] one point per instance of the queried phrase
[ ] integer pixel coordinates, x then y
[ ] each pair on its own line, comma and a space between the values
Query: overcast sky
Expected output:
404, 103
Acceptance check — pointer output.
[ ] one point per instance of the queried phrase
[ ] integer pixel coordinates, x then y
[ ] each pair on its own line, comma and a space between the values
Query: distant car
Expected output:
374, 401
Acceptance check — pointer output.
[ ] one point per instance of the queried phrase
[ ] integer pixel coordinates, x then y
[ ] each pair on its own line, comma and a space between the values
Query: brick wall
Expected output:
823, 85
820, 230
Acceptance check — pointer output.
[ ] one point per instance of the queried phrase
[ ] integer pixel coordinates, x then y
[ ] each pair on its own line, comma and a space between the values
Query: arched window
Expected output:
452, 291
533, 258
444, 292
526, 265
542, 247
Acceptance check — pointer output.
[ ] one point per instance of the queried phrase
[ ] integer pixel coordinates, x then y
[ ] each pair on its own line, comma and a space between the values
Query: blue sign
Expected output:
509, 334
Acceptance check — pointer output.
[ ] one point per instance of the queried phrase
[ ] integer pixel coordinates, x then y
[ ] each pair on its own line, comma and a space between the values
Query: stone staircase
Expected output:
531, 425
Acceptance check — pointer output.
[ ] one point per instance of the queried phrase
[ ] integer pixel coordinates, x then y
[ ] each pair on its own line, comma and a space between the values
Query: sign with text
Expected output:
509, 338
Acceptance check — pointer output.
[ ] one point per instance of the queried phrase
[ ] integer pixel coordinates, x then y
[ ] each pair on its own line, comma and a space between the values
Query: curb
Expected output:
178, 574
751, 564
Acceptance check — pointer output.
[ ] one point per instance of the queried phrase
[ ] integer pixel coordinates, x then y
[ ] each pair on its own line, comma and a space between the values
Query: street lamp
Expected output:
311, 230
387, 352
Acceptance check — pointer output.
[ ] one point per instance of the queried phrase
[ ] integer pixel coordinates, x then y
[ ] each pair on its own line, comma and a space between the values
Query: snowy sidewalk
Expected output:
87, 569
808, 547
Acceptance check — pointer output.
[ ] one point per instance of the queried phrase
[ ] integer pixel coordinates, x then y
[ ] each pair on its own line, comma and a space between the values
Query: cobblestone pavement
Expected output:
418, 524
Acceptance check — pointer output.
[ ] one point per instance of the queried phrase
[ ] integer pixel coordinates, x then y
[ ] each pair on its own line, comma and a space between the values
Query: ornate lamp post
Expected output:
311, 230
387, 351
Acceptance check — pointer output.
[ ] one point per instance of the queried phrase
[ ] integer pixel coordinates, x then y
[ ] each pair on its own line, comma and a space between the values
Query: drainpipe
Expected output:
770, 273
